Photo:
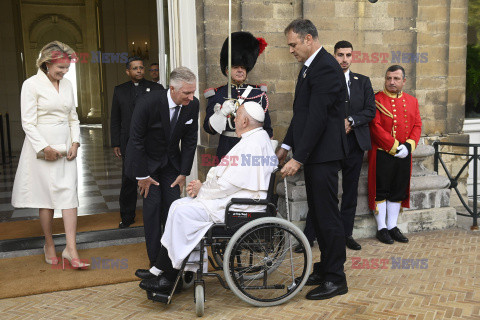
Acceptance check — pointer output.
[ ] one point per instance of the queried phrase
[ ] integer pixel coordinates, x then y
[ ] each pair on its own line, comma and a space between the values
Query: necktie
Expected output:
173, 121
347, 100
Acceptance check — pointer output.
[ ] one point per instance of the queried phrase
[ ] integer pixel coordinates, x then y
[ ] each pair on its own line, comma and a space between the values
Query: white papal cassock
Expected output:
245, 174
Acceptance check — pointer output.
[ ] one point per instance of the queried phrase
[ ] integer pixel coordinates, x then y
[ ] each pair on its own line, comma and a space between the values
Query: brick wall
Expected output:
395, 31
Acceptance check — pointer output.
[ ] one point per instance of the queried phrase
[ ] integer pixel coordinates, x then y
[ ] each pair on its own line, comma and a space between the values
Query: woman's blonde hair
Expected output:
53, 51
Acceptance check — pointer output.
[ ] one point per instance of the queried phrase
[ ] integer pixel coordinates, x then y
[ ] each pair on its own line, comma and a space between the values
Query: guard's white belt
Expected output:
229, 134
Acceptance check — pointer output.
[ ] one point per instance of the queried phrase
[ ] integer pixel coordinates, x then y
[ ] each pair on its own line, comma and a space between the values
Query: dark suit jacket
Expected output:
150, 146
123, 104
361, 108
317, 130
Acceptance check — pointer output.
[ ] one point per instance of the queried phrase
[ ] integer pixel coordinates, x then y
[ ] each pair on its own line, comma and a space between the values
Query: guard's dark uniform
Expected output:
219, 95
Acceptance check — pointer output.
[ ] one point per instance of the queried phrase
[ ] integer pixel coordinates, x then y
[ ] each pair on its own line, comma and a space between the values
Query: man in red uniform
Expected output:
395, 132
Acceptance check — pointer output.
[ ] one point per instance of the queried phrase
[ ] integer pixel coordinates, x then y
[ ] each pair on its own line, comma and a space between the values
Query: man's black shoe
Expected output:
352, 244
144, 274
314, 279
160, 284
327, 290
123, 224
384, 236
299, 247
397, 235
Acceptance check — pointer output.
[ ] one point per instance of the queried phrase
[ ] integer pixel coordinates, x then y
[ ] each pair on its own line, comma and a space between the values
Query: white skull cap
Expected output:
255, 110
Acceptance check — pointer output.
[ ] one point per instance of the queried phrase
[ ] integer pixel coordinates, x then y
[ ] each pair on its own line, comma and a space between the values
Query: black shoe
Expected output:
397, 235
299, 248
384, 236
123, 224
160, 284
352, 244
314, 279
327, 290
144, 274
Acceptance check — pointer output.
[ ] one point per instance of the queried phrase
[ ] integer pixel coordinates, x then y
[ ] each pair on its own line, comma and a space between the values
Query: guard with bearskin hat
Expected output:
220, 109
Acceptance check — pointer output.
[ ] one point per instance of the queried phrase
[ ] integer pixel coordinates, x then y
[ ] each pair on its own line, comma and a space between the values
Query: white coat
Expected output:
48, 118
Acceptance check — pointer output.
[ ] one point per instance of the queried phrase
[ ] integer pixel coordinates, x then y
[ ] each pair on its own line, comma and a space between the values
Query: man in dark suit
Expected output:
317, 136
125, 96
359, 111
161, 121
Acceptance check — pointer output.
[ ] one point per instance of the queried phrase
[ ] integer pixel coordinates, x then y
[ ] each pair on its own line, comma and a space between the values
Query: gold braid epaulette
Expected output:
383, 110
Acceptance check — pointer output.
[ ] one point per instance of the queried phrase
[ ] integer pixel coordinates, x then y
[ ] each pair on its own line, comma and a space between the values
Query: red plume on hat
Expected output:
262, 44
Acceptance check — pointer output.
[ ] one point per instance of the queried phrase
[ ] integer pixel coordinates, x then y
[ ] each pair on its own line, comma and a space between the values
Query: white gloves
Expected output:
402, 151
228, 107
218, 121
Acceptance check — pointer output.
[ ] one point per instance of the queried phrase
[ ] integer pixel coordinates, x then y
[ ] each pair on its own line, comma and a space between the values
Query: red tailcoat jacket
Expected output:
397, 121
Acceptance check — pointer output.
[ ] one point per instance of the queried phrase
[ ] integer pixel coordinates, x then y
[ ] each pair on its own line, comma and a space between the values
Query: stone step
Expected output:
297, 192
424, 199
411, 221
85, 240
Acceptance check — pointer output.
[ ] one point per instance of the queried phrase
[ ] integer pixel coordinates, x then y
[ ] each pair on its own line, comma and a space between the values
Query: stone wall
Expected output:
427, 37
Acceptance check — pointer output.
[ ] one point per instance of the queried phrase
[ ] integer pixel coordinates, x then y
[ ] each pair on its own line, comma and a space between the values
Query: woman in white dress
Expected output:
46, 176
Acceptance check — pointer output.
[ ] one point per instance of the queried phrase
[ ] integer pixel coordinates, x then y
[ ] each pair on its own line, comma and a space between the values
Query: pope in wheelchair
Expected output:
244, 173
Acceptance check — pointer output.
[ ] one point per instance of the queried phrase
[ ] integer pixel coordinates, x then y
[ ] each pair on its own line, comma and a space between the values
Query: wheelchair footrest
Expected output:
160, 297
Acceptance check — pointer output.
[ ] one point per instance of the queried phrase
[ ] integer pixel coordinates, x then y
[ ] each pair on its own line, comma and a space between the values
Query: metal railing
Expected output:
473, 212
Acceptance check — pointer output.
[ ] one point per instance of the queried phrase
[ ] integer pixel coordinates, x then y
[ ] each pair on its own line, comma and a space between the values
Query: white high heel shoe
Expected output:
75, 263
53, 260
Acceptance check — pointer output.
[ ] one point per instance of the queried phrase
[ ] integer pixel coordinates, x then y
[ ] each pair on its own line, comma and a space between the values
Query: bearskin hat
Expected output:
245, 51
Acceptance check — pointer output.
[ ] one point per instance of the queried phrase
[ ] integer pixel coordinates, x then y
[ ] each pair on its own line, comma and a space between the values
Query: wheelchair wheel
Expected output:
188, 278
219, 252
260, 264
199, 300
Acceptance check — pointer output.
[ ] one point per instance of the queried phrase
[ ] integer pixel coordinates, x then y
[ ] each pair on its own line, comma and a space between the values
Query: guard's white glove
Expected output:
402, 151
228, 107
218, 121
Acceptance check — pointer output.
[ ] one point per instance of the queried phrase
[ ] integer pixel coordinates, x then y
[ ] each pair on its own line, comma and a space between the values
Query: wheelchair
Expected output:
255, 251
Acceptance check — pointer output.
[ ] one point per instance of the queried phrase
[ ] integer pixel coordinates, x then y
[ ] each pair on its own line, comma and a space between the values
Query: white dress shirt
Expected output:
347, 80
172, 105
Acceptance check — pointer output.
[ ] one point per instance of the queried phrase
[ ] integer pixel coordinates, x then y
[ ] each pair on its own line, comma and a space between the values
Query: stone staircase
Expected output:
429, 202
